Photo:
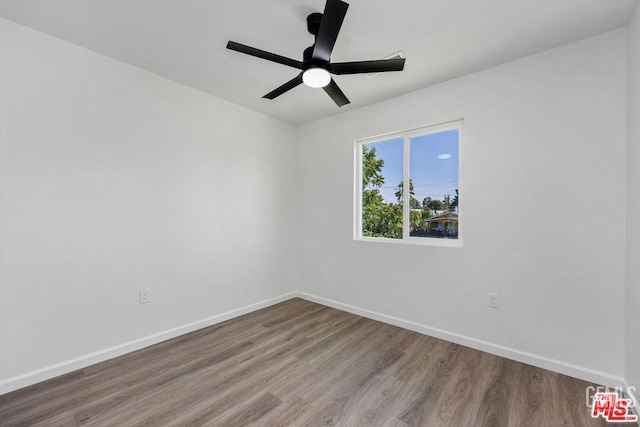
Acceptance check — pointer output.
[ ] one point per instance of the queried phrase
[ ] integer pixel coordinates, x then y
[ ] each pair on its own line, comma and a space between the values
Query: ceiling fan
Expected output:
316, 66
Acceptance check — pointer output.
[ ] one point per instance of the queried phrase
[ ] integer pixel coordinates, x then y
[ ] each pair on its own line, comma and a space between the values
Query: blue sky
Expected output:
433, 165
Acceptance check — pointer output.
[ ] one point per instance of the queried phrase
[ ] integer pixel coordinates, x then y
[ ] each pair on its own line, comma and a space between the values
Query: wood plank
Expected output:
302, 364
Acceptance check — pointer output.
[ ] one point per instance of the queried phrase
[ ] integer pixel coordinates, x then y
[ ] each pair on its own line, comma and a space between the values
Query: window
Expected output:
421, 166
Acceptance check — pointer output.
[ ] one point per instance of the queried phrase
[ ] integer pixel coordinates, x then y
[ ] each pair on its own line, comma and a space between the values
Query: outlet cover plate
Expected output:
145, 296
492, 300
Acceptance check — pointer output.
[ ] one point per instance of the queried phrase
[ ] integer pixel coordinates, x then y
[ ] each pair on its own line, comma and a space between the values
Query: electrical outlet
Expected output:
145, 296
492, 301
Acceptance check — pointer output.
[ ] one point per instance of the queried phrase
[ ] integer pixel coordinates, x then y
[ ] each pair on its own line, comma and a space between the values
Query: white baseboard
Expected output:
565, 368
71, 365
52, 371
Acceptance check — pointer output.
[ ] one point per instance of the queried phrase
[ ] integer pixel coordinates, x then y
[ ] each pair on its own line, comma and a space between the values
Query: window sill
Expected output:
415, 241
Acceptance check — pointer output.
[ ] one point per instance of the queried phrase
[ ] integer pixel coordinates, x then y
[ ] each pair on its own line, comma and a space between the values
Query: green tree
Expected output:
382, 220
425, 202
371, 169
379, 219
372, 178
415, 220
434, 205
446, 201
454, 202
413, 202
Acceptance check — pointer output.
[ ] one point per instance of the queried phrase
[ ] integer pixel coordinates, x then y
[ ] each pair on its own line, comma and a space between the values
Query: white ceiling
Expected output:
184, 40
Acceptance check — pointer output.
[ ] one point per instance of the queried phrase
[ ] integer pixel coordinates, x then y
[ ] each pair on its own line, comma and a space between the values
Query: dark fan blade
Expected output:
264, 55
334, 12
368, 66
285, 87
336, 94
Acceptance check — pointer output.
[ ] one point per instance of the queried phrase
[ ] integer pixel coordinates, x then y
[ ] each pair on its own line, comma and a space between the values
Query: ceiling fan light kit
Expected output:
316, 67
316, 77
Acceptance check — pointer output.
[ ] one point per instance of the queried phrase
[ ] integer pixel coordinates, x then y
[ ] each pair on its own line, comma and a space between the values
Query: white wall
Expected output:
544, 191
633, 204
114, 179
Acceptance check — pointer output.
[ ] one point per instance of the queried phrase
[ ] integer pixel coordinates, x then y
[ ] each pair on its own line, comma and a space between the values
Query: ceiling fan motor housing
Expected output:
313, 23
309, 62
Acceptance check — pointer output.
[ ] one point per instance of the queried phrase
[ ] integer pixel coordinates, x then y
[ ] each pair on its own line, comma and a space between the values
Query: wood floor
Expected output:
303, 364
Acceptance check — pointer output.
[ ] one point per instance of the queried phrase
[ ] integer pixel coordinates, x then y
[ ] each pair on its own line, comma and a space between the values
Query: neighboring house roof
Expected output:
447, 216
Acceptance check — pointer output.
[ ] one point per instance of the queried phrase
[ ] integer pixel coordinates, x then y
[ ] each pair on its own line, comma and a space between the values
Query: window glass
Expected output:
382, 173
433, 185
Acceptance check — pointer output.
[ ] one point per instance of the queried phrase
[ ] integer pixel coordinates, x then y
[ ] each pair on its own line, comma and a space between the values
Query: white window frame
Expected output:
407, 135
